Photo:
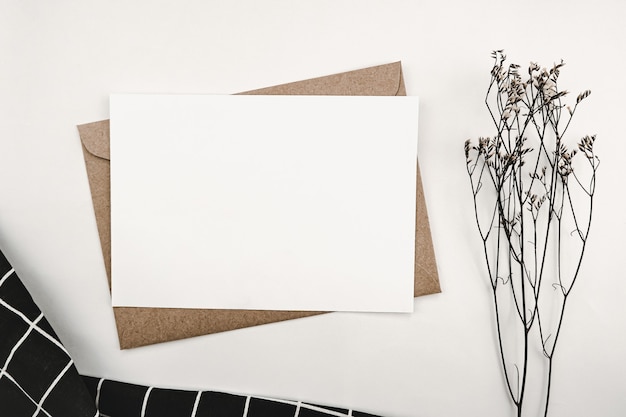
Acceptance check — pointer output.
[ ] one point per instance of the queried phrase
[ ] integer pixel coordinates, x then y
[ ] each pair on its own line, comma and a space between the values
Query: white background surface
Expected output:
60, 61
263, 202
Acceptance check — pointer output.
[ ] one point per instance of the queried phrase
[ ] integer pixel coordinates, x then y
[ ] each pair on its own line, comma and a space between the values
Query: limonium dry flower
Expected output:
533, 200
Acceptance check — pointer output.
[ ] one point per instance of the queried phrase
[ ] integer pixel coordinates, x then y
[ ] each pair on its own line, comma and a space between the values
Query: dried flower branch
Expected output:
533, 202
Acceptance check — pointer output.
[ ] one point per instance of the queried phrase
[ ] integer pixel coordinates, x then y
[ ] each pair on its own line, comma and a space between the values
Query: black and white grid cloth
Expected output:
121, 399
38, 377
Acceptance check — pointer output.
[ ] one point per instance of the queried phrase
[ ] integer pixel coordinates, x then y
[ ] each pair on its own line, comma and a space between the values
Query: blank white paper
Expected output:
263, 202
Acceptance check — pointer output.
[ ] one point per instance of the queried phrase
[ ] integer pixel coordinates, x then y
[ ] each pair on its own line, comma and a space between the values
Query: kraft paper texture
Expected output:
144, 326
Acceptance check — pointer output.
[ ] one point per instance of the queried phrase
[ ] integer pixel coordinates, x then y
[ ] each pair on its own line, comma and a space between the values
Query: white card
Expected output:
263, 202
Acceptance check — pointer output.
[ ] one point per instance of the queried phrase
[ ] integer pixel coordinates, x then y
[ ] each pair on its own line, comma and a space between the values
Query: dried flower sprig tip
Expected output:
526, 174
586, 145
583, 96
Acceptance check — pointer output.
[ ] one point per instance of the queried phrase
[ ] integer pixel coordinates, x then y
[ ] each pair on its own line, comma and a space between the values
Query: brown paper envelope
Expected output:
139, 326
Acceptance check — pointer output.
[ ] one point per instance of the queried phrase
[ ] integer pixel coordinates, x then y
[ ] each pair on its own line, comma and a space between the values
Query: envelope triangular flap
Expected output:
95, 138
95, 143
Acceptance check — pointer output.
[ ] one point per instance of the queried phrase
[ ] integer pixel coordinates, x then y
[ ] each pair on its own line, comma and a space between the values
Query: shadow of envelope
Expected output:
139, 326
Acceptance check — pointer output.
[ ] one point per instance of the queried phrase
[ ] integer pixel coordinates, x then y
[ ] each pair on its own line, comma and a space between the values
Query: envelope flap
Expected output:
381, 80
95, 138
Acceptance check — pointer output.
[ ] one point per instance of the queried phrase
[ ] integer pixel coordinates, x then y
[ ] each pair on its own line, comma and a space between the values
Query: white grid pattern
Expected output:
33, 325
145, 402
10, 378
17, 345
51, 387
248, 408
195, 404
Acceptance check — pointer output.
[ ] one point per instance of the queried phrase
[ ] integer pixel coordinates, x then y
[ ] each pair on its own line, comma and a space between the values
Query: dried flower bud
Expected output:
583, 96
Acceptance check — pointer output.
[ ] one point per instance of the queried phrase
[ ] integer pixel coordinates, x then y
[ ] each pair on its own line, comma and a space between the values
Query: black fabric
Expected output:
38, 377
314, 412
221, 404
261, 408
119, 399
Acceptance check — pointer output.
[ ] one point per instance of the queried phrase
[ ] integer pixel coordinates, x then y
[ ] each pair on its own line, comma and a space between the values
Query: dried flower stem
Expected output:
533, 204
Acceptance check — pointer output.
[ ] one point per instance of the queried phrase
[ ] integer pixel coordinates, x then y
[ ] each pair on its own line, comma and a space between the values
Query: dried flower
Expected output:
583, 96
530, 189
